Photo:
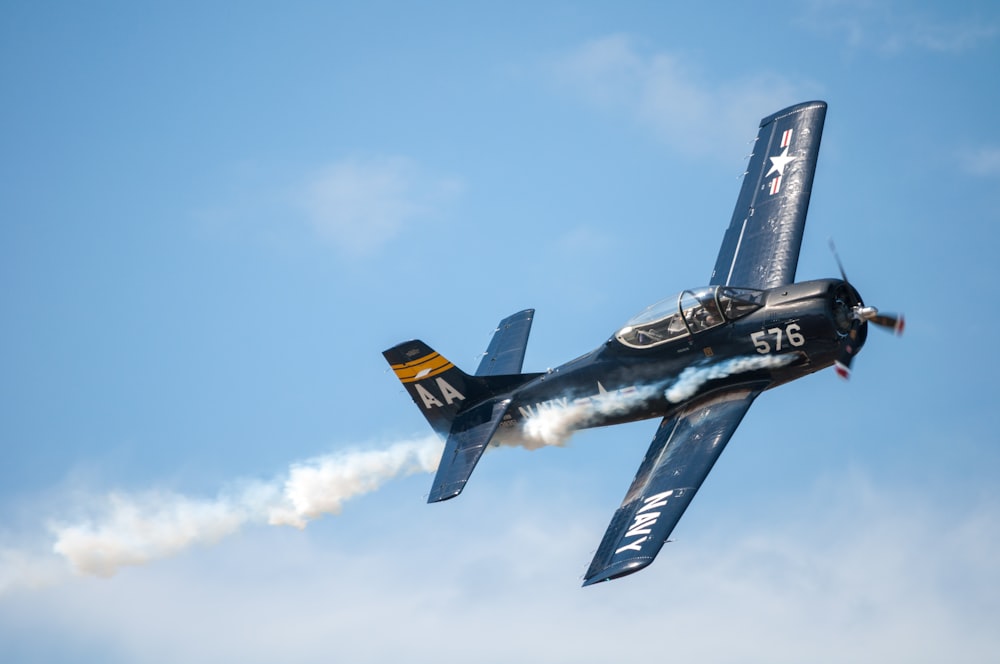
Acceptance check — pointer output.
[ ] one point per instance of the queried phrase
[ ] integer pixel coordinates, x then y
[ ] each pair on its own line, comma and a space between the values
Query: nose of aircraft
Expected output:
851, 326
852, 317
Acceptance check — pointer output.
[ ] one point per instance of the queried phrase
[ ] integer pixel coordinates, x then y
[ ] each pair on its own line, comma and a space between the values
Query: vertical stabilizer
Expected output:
439, 388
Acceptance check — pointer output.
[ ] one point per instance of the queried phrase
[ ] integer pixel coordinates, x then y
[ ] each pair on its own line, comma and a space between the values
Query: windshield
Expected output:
701, 311
738, 302
690, 312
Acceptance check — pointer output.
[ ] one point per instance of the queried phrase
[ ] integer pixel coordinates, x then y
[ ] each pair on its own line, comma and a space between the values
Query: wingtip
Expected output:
445, 492
795, 108
615, 571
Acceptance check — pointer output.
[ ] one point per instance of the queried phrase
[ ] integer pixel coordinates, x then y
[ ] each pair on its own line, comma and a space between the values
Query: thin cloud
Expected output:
362, 204
942, 37
23, 568
894, 28
870, 576
585, 240
983, 161
664, 92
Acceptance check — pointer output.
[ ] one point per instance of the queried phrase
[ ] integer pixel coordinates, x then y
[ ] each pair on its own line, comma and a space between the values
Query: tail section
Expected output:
465, 410
439, 388
505, 354
470, 435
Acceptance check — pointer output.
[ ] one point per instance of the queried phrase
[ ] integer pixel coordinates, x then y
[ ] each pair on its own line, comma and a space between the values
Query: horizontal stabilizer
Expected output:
470, 434
683, 451
505, 354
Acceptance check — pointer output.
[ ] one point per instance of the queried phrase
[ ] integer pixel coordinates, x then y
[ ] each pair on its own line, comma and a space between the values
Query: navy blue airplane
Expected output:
696, 360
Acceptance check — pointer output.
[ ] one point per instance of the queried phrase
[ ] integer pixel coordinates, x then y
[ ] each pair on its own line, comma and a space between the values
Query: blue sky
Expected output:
213, 217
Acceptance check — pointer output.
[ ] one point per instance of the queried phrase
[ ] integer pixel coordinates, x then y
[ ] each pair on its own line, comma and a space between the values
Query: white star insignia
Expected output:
778, 163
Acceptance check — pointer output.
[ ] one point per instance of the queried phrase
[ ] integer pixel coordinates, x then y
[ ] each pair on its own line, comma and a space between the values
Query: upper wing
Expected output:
505, 354
761, 246
683, 451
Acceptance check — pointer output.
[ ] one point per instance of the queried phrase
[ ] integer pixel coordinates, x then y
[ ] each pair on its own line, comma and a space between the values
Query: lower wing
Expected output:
683, 451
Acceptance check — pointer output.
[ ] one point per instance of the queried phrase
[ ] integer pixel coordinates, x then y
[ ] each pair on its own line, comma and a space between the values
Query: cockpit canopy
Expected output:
689, 313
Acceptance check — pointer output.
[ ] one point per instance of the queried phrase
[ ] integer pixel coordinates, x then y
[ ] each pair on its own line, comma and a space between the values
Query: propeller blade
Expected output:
836, 257
843, 363
890, 322
848, 350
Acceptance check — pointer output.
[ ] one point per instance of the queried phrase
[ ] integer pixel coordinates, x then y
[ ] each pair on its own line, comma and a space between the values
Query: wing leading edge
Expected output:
681, 455
761, 245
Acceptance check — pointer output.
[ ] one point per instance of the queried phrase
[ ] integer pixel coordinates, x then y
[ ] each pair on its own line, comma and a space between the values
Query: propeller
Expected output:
893, 322
850, 347
836, 257
857, 315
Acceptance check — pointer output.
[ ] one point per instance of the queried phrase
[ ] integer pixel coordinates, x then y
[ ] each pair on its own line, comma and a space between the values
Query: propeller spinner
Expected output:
856, 316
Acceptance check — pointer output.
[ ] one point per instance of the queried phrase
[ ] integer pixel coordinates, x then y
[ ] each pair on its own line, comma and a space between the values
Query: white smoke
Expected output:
321, 485
554, 422
693, 378
132, 529
135, 528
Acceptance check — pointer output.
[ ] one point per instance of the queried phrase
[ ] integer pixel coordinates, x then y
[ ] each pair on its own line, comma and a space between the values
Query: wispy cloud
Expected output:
666, 93
983, 161
894, 28
874, 575
942, 36
361, 204
25, 568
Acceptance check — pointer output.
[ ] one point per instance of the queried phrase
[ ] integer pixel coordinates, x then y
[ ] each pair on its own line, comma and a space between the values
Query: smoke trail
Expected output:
555, 422
321, 486
133, 529
693, 378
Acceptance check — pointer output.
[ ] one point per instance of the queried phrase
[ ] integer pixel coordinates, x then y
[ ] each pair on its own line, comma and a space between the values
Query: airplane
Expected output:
696, 360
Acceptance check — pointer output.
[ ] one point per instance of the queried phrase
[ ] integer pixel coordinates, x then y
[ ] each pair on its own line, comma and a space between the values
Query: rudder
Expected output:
439, 388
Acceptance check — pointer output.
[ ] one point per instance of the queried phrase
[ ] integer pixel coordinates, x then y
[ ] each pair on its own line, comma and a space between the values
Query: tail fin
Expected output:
465, 410
439, 388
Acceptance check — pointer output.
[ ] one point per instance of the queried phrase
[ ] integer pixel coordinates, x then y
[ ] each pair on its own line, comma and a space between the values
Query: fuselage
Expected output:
665, 360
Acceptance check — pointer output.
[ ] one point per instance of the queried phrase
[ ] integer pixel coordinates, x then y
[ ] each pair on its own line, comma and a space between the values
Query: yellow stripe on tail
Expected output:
427, 366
